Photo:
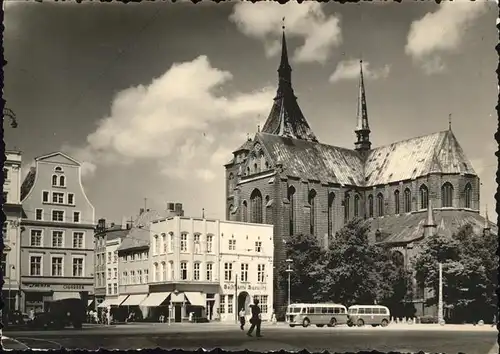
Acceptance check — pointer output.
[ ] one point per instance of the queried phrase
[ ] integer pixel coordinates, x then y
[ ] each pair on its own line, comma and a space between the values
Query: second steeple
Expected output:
362, 128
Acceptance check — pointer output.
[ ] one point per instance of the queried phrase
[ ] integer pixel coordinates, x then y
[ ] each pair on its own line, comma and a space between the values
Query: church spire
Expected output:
362, 128
430, 225
486, 228
286, 118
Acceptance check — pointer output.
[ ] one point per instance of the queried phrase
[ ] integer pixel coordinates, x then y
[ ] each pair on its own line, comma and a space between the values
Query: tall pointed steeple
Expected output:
486, 228
362, 128
430, 226
286, 118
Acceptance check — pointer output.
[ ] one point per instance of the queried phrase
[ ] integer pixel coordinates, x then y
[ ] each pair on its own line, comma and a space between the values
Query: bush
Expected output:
428, 319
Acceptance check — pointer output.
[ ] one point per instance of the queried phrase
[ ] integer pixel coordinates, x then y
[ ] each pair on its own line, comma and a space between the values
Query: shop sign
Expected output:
57, 287
243, 287
37, 285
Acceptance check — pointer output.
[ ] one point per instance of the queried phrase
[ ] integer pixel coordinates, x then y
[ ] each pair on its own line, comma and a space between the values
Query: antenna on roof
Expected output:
449, 121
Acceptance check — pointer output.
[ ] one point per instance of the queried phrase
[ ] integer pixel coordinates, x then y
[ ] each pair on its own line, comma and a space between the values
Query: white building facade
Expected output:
11, 230
209, 268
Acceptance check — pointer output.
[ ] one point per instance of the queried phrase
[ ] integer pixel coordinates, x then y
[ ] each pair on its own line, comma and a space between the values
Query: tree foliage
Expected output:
469, 272
351, 271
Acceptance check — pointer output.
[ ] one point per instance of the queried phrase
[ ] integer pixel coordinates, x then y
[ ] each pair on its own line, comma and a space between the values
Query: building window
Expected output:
115, 273
4, 230
54, 180
77, 239
396, 202
6, 173
170, 242
346, 207
468, 195
244, 272
163, 271
291, 209
172, 270
115, 288
258, 246
36, 238
356, 206
57, 215
407, 200
256, 206
124, 278
57, 267
184, 242
380, 204
109, 257
109, 274
5, 196
262, 302
57, 198
222, 304
164, 243
58, 169
244, 211
261, 269
132, 277
4, 264
196, 271
78, 267
209, 271
39, 214
35, 265
57, 239
331, 202
184, 271
109, 289
232, 245
115, 257
62, 181
196, 242
139, 276
156, 272
146, 276
45, 197
156, 245
210, 239
76, 216
228, 271
424, 197
230, 300
447, 195
311, 198
370, 206
231, 184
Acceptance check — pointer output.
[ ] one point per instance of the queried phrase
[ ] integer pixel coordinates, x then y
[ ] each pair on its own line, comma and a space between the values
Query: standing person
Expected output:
242, 318
255, 320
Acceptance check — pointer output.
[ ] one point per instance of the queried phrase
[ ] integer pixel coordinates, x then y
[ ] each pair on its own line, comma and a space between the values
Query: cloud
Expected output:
349, 70
181, 120
441, 32
263, 21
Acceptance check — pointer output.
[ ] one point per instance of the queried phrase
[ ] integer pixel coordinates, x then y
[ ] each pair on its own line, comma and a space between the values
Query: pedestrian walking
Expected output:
242, 319
255, 320
273, 318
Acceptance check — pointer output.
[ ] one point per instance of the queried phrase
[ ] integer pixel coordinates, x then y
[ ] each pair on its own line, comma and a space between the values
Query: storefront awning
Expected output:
120, 300
113, 301
177, 297
89, 302
155, 299
134, 300
196, 299
62, 295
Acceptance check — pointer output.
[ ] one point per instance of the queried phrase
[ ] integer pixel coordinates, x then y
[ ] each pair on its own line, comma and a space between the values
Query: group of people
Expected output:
255, 319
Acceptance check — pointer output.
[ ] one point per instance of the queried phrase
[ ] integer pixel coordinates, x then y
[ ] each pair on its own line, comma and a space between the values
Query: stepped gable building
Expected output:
284, 176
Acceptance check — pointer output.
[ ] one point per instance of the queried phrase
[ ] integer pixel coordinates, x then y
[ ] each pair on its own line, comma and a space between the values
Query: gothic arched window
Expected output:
398, 259
244, 211
312, 216
370, 206
62, 181
346, 207
331, 202
256, 206
424, 197
407, 201
396, 202
447, 195
380, 204
356, 206
468, 195
231, 183
54, 180
291, 210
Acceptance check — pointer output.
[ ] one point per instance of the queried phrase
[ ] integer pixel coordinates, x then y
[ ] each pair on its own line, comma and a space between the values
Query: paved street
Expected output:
427, 338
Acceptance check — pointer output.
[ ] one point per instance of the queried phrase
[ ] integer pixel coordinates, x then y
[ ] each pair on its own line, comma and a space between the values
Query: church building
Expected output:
285, 177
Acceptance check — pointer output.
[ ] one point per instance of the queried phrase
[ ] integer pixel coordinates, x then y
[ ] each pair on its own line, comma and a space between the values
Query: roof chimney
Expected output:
101, 225
170, 206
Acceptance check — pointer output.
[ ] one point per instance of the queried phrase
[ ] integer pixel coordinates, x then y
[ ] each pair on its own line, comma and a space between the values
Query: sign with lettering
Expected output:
37, 285
56, 287
73, 287
245, 287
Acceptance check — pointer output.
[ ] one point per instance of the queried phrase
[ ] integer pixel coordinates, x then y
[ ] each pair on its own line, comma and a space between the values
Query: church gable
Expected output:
435, 153
314, 161
258, 160
58, 158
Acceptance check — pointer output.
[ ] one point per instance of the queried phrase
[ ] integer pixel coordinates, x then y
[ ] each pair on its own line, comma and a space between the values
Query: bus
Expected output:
317, 314
374, 315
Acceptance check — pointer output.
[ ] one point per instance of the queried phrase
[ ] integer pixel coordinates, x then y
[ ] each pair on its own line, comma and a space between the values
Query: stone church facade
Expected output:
285, 177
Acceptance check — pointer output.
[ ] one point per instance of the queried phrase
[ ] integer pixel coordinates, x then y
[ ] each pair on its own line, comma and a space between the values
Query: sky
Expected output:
153, 97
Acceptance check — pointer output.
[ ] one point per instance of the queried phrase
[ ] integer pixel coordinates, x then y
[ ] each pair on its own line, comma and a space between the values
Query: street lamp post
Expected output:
289, 271
440, 296
235, 308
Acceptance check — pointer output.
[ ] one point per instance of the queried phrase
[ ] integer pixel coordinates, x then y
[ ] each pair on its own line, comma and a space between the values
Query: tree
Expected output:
304, 251
355, 271
469, 272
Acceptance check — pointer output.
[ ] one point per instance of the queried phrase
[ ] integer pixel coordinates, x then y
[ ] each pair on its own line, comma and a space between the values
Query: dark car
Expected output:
60, 314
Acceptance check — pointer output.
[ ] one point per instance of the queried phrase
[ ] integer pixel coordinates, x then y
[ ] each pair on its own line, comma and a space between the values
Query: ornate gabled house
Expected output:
285, 177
